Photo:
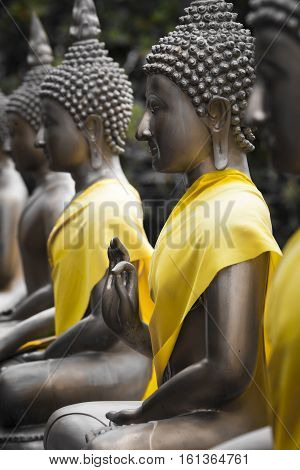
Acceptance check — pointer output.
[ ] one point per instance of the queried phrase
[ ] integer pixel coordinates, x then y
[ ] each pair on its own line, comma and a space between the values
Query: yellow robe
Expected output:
283, 327
194, 246
78, 245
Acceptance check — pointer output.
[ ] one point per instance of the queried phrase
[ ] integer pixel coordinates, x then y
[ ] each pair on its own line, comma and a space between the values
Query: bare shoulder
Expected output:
58, 194
12, 188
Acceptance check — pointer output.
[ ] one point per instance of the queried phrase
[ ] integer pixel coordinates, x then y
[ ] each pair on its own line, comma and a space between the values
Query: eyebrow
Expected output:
155, 95
13, 121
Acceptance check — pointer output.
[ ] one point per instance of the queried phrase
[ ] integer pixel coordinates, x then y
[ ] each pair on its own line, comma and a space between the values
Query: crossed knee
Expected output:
68, 431
134, 437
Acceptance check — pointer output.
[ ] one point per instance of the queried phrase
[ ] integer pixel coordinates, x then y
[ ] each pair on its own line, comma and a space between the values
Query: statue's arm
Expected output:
40, 300
54, 207
9, 218
234, 308
90, 334
38, 327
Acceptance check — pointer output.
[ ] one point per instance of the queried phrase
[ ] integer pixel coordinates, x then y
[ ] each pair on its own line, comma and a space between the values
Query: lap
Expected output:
35, 390
260, 439
85, 424
195, 431
69, 427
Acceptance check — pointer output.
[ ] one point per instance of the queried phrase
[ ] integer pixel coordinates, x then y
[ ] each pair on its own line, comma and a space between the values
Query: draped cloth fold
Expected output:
221, 220
282, 326
77, 248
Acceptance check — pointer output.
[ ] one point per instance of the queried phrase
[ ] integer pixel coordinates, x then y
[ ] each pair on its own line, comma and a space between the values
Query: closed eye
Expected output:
153, 107
154, 104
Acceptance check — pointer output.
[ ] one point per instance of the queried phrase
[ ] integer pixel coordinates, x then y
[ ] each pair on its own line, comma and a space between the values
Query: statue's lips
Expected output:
153, 149
46, 153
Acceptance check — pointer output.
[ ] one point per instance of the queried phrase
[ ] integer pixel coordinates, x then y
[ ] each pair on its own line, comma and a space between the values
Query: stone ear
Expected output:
94, 136
94, 128
219, 121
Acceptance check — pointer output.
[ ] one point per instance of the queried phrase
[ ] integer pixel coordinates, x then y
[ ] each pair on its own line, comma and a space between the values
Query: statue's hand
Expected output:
34, 356
126, 417
106, 296
122, 285
120, 304
117, 252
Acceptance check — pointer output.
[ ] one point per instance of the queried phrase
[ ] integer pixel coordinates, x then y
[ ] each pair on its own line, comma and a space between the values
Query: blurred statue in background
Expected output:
53, 190
274, 107
213, 261
87, 104
13, 195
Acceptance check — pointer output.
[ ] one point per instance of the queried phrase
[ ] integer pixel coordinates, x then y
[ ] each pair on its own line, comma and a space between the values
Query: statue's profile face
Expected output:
274, 104
64, 144
178, 139
21, 145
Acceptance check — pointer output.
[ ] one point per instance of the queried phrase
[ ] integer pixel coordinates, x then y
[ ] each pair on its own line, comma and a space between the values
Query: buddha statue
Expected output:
86, 108
52, 191
213, 261
13, 195
274, 109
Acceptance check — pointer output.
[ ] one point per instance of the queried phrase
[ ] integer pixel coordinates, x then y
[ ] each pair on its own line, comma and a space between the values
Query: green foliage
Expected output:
129, 28
127, 25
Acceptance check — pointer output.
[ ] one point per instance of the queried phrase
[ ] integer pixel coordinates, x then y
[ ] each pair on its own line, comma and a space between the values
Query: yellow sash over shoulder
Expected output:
78, 245
221, 220
282, 325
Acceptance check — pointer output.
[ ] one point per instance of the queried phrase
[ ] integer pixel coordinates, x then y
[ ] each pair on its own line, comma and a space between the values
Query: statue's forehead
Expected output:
161, 85
15, 119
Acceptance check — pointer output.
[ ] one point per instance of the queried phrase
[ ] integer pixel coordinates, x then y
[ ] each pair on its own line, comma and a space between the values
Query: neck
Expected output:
39, 176
84, 175
237, 160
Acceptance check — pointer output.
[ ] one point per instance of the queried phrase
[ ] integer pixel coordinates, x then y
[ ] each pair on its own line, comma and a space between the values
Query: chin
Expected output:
53, 166
160, 167
23, 169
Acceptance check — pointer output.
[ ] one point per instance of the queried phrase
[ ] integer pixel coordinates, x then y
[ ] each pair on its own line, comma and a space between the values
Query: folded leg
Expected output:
70, 427
261, 439
31, 392
200, 430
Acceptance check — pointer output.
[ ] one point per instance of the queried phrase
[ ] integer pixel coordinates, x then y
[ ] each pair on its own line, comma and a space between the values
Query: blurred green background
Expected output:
129, 28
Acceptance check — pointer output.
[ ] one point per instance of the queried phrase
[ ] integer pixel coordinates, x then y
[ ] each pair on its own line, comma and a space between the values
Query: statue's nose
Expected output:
7, 145
143, 131
40, 138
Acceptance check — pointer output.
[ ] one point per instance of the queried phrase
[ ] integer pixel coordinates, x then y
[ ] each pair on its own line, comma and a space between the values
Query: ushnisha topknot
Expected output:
25, 101
210, 54
282, 13
3, 126
90, 82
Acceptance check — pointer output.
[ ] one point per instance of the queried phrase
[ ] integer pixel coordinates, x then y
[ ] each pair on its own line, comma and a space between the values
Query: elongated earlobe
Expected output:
96, 160
219, 120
